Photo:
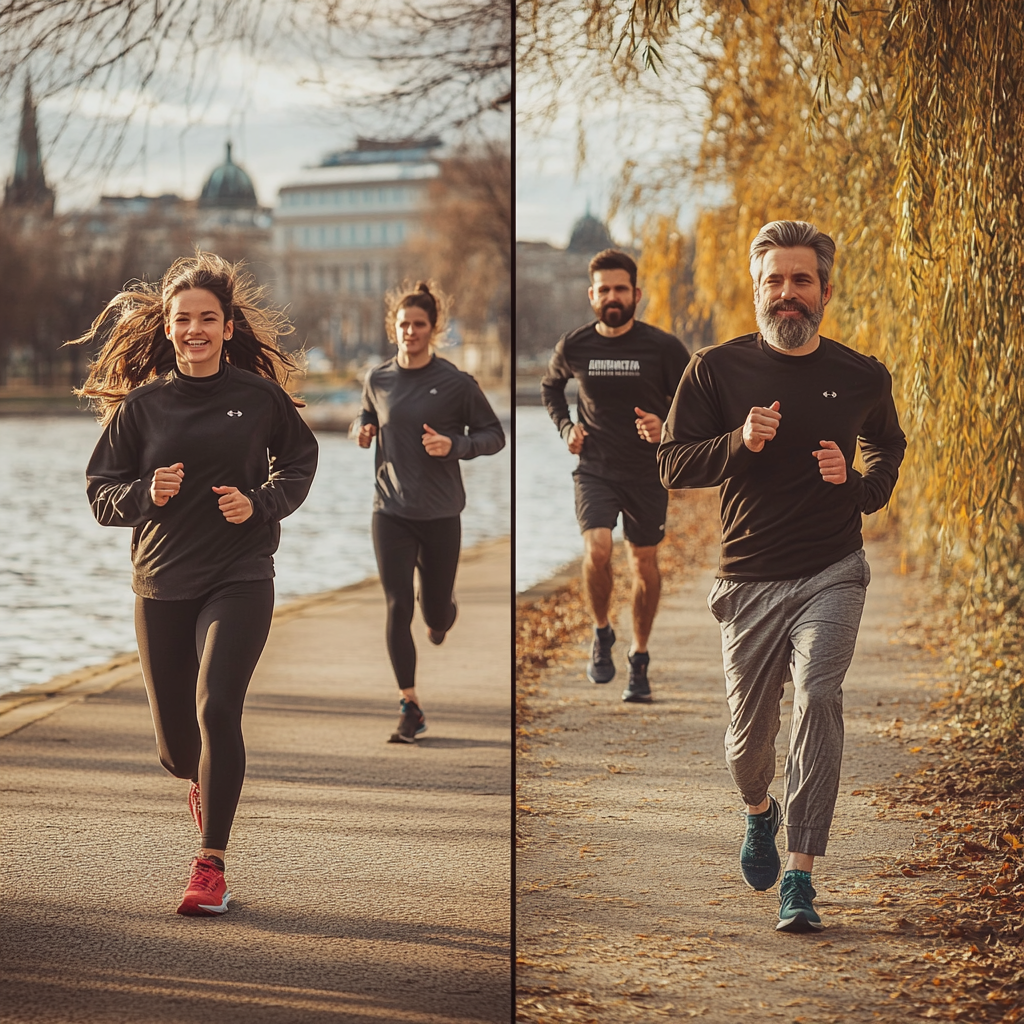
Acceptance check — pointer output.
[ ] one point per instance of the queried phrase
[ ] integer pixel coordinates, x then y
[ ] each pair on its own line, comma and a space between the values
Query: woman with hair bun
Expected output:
202, 455
426, 415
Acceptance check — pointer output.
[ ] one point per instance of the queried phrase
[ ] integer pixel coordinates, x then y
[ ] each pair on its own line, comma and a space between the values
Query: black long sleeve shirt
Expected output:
638, 369
236, 429
780, 519
410, 483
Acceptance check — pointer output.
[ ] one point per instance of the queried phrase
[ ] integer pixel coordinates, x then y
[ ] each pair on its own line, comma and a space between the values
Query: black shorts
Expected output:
643, 504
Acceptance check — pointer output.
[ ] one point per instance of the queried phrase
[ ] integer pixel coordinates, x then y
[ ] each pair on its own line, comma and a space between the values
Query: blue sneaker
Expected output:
796, 914
759, 856
601, 668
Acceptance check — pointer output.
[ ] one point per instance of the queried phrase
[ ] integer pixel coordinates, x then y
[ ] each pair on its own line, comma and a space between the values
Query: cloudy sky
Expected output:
553, 191
170, 143
279, 110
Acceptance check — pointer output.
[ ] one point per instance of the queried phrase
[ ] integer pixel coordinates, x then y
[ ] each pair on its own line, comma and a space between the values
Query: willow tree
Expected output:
902, 133
899, 130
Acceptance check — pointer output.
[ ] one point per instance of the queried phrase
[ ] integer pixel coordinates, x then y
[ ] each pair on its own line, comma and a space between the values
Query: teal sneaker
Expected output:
795, 911
759, 856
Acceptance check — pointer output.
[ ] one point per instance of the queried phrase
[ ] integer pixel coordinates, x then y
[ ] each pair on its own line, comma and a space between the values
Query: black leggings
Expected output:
402, 545
197, 658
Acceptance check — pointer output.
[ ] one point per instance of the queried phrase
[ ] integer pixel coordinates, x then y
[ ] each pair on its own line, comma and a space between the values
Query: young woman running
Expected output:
426, 415
203, 454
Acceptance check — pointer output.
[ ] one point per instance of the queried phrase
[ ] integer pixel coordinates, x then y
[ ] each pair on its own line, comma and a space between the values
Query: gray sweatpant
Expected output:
803, 629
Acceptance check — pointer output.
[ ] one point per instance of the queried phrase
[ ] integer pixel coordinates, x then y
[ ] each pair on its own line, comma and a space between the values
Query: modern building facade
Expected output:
340, 238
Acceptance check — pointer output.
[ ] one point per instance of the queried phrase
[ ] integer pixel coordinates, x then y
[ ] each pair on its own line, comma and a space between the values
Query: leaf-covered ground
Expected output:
629, 901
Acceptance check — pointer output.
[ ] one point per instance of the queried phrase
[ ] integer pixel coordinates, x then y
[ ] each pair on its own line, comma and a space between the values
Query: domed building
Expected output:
551, 288
589, 235
228, 188
229, 218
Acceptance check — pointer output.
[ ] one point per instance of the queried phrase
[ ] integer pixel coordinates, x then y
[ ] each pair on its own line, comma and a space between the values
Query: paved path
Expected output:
631, 905
371, 880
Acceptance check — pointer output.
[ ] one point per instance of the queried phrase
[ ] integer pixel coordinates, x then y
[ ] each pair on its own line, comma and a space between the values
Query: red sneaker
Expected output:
195, 806
206, 892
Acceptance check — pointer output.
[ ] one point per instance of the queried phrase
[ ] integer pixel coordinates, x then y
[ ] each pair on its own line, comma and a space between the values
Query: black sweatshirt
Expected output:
235, 429
410, 483
780, 519
638, 369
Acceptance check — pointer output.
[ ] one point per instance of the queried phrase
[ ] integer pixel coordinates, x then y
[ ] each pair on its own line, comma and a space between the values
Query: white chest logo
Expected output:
433, 391
825, 394
234, 412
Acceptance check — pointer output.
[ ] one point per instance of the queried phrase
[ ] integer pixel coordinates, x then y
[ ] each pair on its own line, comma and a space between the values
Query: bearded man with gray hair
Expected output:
774, 419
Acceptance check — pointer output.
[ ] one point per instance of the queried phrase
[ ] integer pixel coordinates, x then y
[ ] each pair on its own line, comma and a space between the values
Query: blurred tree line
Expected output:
899, 130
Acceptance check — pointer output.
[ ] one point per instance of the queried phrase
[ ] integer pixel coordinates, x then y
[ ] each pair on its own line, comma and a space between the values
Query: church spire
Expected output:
28, 188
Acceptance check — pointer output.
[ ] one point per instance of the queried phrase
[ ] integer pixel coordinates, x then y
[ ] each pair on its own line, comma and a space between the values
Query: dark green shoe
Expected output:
796, 914
759, 856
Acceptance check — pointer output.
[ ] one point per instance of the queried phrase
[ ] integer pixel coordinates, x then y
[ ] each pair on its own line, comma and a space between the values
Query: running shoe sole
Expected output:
397, 737
204, 909
798, 924
637, 697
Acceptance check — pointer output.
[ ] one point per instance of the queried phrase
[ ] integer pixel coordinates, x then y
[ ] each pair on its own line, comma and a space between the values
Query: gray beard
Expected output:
785, 332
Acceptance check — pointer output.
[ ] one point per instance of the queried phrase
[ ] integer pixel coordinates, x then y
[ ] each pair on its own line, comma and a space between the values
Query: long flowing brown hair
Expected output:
134, 349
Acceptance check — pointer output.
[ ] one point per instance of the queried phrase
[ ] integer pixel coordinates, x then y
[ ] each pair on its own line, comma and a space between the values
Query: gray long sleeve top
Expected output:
410, 483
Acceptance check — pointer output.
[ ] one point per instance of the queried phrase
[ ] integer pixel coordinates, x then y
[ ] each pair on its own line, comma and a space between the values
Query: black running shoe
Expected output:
639, 689
796, 914
601, 668
759, 856
436, 636
410, 725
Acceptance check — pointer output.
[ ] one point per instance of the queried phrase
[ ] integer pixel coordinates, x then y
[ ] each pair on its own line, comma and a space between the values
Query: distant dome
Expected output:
589, 235
228, 186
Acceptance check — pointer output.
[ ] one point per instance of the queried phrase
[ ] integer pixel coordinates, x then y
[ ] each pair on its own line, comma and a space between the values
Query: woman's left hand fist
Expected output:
234, 504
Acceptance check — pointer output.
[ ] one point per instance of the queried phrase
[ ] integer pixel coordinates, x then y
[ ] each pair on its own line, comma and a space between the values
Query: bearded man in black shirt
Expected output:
774, 419
627, 373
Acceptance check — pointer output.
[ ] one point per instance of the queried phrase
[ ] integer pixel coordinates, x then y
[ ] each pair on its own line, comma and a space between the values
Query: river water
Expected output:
546, 532
65, 582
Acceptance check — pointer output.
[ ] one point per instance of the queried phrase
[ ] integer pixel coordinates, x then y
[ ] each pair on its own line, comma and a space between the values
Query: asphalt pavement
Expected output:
370, 881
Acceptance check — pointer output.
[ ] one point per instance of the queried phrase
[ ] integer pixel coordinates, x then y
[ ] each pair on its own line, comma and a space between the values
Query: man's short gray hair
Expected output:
788, 234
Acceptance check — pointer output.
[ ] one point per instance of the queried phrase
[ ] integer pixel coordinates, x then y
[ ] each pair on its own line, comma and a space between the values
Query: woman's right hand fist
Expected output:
166, 483
367, 432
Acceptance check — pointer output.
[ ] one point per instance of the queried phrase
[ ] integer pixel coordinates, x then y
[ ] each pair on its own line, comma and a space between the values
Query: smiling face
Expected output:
613, 297
197, 330
414, 334
788, 300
